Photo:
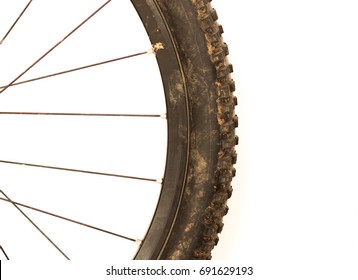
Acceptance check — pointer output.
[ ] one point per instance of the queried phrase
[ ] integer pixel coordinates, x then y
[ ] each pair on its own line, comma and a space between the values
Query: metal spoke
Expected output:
79, 171
55, 46
22, 212
73, 70
3, 251
13, 25
69, 220
83, 114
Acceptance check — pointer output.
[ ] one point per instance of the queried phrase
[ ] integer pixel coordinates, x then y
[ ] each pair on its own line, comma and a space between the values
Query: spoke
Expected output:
69, 220
3, 251
55, 46
13, 25
83, 114
22, 212
78, 170
74, 69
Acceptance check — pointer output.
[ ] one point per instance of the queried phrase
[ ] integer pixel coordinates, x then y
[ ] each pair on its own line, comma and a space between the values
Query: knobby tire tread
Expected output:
204, 203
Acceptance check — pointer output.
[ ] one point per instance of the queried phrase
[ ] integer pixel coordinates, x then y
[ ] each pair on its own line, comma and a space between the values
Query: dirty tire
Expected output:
201, 128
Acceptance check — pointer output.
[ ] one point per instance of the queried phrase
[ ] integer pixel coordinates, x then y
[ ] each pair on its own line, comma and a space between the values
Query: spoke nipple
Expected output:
156, 47
163, 116
138, 241
159, 181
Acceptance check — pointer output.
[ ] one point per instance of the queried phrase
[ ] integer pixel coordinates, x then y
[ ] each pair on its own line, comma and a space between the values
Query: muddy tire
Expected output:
201, 128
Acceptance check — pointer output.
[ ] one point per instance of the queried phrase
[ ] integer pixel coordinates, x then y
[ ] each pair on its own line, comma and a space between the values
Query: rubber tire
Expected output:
210, 139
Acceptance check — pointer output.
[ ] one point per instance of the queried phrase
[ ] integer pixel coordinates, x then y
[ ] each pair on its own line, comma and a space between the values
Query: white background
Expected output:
294, 210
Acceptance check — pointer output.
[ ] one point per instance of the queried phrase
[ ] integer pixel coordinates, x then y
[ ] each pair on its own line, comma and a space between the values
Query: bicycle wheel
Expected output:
201, 123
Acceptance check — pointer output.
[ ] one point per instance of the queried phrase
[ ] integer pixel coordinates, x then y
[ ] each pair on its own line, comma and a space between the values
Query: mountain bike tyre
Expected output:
192, 58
